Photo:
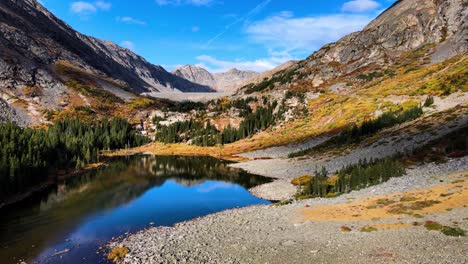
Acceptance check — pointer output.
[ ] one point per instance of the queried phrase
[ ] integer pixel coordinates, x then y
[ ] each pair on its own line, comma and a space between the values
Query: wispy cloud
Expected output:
360, 6
284, 32
209, 187
288, 37
248, 16
89, 8
103, 5
184, 2
259, 65
128, 44
83, 8
130, 20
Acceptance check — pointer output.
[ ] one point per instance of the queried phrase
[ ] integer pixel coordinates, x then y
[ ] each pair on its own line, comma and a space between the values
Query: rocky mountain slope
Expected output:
436, 27
408, 55
33, 41
228, 81
40, 55
196, 74
231, 80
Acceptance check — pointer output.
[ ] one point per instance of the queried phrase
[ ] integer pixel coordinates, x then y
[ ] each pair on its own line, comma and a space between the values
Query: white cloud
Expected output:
260, 65
184, 2
359, 6
287, 37
128, 44
83, 8
303, 35
103, 5
206, 188
130, 20
87, 8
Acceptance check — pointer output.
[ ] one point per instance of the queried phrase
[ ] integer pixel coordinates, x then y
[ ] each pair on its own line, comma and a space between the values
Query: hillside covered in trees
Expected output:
28, 155
200, 132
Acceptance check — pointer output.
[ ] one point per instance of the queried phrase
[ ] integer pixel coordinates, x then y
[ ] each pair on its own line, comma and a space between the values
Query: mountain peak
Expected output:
226, 81
34, 39
438, 26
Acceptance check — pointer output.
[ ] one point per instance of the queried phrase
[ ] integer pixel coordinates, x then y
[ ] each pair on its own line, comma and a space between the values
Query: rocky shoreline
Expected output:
284, 234
275, 234
284, 169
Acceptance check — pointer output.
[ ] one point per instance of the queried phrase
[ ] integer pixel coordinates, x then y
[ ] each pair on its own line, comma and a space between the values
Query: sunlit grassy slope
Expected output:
406, 88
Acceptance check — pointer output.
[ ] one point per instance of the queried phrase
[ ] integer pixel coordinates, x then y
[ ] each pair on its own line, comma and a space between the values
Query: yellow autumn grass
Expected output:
426, 201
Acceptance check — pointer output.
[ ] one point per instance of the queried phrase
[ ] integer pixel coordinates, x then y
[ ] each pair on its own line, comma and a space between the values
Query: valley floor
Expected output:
359, 227
404, 138
195, 97
380, 224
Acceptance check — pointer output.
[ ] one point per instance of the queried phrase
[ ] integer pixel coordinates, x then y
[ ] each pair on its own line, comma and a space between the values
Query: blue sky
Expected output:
219, 34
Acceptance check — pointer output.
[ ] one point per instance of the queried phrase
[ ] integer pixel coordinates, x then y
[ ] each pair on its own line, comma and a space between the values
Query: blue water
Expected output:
131, 194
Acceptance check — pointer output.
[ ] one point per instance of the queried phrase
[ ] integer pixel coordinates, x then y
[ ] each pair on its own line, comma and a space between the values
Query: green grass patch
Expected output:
368, 229
385, 202
283, 202
433, 226
408, 199
453, 231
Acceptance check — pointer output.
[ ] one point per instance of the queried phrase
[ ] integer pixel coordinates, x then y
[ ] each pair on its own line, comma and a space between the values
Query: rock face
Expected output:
33, 41
439, 26
406, 26
223, 82
196, 74
6, 113
233, 79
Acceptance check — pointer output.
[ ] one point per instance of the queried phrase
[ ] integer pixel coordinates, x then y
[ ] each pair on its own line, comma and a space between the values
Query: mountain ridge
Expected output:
33, 39
228, 81
438, 26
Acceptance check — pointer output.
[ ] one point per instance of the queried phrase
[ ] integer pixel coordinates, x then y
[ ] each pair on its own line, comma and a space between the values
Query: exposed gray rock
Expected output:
196, 74
231, 80
439, 26
9, 114
391, 141
406, 26
34, 40
284, 151
224, 82
276, 234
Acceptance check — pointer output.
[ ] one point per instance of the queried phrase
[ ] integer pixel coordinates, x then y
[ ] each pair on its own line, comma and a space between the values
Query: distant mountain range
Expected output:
227, 82
35, 45
46, 66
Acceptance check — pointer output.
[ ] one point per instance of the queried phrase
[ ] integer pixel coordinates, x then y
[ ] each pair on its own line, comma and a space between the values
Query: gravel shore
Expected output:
284, 151
400, 139
270, 234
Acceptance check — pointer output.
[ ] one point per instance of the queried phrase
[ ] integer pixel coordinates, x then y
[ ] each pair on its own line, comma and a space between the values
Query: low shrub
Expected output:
346, 229
453, 231
368, 229
302, 180
429, 101
118, 253
433, 226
